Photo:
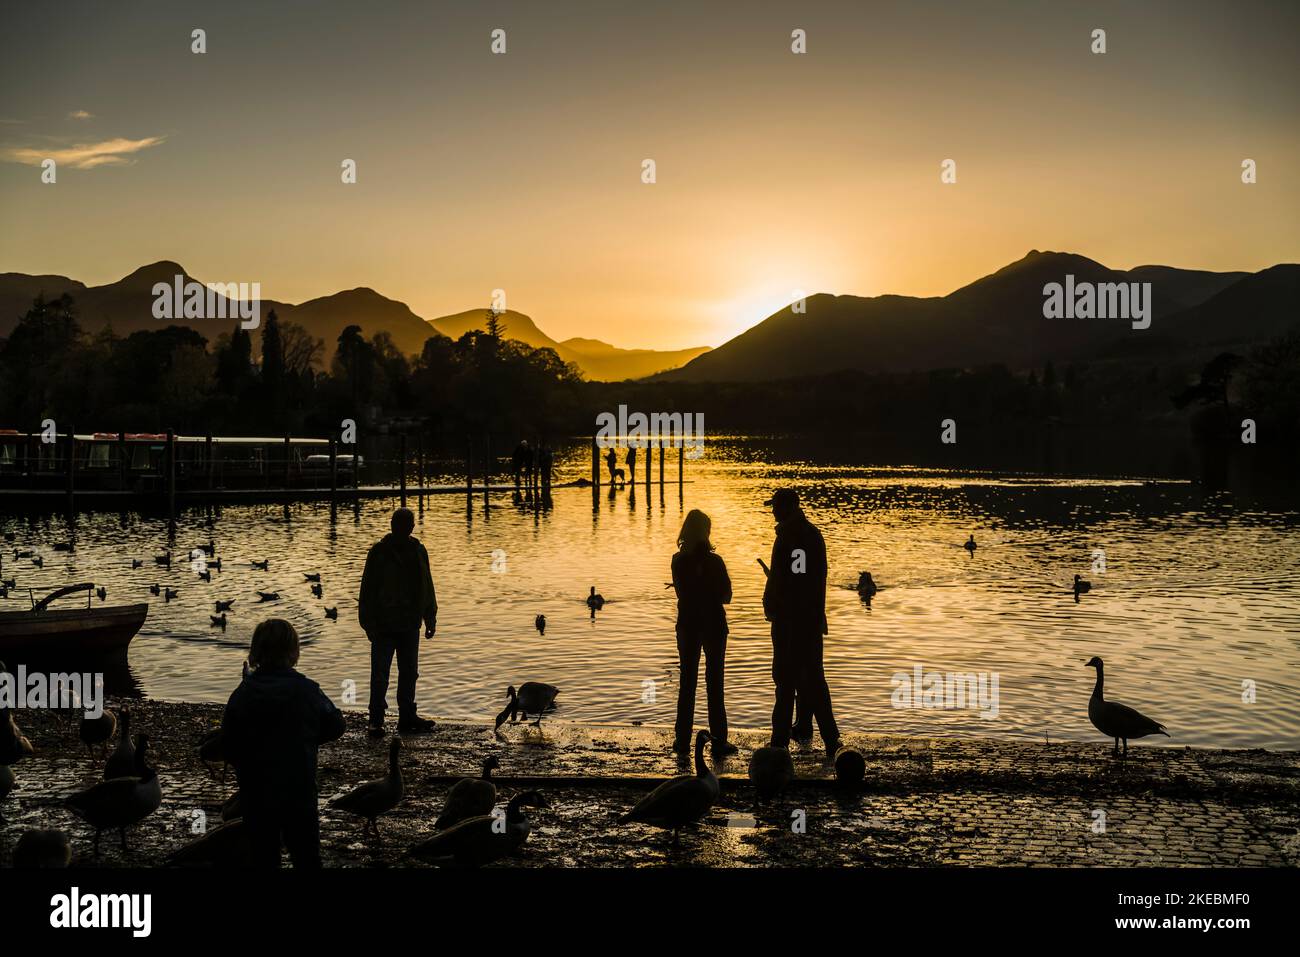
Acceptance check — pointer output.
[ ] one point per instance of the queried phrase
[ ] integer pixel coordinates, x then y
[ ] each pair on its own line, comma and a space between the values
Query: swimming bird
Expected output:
63, 546
209, 549
9, 582
99, 731
226, 845
1114, 719
481, 840
681, 800
137, 563
264, 564
164, 559
1081, 587
771, 769
121, 763
120, 802
43, 849
38, 561
268, 596
223, 606
312, 577
215, 563
318, 591
370, 799
850, 767
7, 782
205, 575
169, 594
866, 585
540, 624
218, 621
155, 589
102, 592
533, 697
970, 545
25, 553
595, 602
470, 797
332, 613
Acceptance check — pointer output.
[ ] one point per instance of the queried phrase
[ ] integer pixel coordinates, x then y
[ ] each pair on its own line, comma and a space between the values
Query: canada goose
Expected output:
137, 563
332, 613
165, 560
205, 576
850, 767
771, 769
533, 697
481, 840
42, 850
38, 561
102, 592
121, 763
7, 781
263, 565
226, 845
1114, 719
681, 800
540, 624
318, 591
970, 545
218, 621
370, 799
155, 589
99, 731
312, 577
170, 593
866, 585
595, 602
1081, 587
120, 802
470, 797
14, 745
223, 606
268, 596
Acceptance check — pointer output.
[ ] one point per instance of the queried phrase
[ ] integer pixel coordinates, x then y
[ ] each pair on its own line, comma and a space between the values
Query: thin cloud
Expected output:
116, 152
80, 115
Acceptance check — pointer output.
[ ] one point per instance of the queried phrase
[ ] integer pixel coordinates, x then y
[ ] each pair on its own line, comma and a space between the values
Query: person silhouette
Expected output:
611, 463
703, 589
794, 601
396, 596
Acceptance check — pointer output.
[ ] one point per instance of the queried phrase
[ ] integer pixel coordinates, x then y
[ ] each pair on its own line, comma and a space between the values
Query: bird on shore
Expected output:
100, 730
970, 545
226, 845
682, 800
218, 621
222, 606
850, 767
540, 624
263, 565
1081, 587
121, 763
371, 799
42, 849
1116, 720
120, 802
268, 596
595, 602
470, 797
318, 591
102, 592
170, 593
866, 585
311, 576
477, 841
533, 697
771, 769
332, 613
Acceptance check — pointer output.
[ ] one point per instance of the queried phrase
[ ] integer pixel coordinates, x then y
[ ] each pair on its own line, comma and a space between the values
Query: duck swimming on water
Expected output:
1081, 587
970, 545
1116, 720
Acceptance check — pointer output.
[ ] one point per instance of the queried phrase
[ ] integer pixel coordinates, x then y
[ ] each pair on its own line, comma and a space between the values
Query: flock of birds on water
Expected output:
471, 830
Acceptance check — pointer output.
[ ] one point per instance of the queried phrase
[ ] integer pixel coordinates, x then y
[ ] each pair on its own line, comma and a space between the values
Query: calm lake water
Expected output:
1200, 594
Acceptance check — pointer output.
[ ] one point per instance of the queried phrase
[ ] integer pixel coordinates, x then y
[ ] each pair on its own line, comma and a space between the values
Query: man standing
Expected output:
794, 601
396, 596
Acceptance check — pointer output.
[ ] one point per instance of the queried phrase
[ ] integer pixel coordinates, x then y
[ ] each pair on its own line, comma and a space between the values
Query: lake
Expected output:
1198, 602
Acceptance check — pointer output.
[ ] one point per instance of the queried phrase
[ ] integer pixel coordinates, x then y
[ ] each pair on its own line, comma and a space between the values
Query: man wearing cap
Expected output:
794, 601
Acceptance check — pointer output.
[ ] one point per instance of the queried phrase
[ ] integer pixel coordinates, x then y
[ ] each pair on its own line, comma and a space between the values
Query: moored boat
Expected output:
45, 633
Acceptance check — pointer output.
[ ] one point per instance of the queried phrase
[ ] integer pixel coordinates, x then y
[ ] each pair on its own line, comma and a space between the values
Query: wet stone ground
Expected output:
925, 802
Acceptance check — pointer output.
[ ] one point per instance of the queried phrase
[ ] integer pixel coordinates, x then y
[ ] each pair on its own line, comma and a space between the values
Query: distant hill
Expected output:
128, 306
996, 319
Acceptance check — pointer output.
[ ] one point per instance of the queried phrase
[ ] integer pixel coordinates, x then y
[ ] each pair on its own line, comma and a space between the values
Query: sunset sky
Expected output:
776, 172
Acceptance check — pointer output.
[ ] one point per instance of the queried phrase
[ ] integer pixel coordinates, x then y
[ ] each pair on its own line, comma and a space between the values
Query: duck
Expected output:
268, 596
1081, 587
99, 731
332, 613
215, 563
263, 565
970, 545
866, 585
120, 802
595, 602
850, 767
9, 582
218, 621
170, 593
318, 591
25, 553
771, 769
205, 576
311, 576
226, 845
1116, 720
7, 782
42, 849
102, 592
481, 840
63, 546
681, 800
470, 797
38, 561
210, 549
165, 560
137, 563
155, 589
371, 799
533, 697
540, 624
222, 606
121, 763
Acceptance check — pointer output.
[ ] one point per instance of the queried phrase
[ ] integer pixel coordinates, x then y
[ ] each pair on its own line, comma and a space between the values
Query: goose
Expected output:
595, 602
533, 697
866, 585
370, 799
1114, 719
99, 731
102, 592
7, 782
120, 802
226, 845
771, 769
540, 624
481, 840
223, 606
165, 560
218, 621
470, 797
155, 589
681, 800
205, 576
332, 613
850, 767
312, 577
38, 561
170, 593
263, 565
137, 563
268, 596
318, 591
1081, 587
42, 850
121, 763
14, 745
970, 545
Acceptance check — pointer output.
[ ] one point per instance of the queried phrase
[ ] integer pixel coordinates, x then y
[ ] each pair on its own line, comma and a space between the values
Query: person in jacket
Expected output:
397, 596
703, 588
794, 601
272, 727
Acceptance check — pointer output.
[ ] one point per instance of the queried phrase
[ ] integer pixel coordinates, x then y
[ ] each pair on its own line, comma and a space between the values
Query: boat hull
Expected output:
58, 634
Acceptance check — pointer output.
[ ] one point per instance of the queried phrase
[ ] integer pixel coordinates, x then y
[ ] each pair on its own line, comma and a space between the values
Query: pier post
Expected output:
288, 459
334, 469
207, 450
401, 466
595, 471
71, 467
171, 473
469, 468
419, 465
661, 468
649, 468
681, 458
123, 460
487, 467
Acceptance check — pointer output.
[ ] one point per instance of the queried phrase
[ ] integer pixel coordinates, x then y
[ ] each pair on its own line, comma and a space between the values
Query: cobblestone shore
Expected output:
925, 802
